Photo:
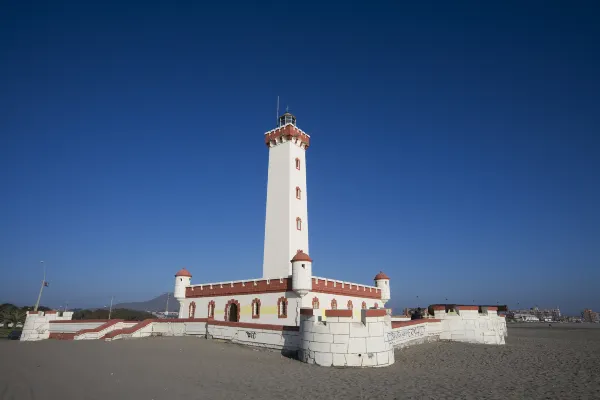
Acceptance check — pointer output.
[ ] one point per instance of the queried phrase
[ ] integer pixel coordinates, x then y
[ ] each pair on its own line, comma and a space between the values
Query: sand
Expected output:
538, 362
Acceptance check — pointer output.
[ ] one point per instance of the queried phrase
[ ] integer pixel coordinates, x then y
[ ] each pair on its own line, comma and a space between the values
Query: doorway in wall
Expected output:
233, 312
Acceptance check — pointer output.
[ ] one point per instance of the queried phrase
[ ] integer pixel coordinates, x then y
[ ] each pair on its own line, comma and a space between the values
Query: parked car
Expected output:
14, 335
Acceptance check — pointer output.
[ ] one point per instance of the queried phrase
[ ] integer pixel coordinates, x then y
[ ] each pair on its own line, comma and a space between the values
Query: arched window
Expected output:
192, 309
299, 223
211, 309
334, 304
315, 303
282, 304
298, 193
298, 164
232, 311
256, 308
376, 305
364, 305
350, 306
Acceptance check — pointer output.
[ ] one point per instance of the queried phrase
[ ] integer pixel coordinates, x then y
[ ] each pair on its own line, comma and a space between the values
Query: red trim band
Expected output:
77, 321
238, 288
338, 313
345, 291
380, 312
400, 324
467, 308
255, 326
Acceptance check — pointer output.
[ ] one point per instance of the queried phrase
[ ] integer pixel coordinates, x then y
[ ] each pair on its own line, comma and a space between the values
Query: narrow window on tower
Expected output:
256, 308
298, 164
282, 304
298, 193
298, 224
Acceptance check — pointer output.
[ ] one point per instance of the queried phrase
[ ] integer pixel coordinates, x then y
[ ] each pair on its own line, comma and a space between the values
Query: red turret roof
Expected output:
183, 272
381, 275
301, 256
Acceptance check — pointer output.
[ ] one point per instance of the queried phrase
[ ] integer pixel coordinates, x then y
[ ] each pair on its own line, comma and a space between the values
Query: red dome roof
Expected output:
183, 272
381, 275
301, 256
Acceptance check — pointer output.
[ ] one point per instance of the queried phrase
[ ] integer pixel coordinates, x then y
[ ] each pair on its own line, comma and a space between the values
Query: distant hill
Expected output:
157, 304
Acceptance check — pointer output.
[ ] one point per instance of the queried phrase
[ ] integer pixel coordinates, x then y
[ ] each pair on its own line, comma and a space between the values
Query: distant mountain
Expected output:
157, 304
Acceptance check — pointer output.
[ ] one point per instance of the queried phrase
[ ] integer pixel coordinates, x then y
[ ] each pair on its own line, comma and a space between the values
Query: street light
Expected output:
111, 303
37, 303
167, 309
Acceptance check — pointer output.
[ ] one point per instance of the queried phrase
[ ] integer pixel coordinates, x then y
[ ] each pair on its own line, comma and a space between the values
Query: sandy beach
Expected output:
558, 362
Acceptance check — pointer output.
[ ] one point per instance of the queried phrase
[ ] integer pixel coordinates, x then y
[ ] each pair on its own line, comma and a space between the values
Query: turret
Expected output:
301, 273
182, 280
382, 281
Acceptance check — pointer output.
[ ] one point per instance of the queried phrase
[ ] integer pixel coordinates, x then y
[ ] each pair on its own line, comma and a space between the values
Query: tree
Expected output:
118, 313
13, 316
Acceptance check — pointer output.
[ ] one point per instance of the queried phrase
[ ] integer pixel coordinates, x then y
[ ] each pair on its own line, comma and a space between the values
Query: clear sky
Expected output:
456, 147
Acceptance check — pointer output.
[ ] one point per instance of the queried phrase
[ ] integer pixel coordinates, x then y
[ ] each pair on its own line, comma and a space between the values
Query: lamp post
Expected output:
110, 309
167, 309
37, 303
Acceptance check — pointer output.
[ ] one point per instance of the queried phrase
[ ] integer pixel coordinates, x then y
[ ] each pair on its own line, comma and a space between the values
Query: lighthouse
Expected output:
286, 223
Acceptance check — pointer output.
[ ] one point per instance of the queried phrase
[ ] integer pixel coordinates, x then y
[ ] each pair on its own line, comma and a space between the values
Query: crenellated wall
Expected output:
37, 325
343, 340
472, 324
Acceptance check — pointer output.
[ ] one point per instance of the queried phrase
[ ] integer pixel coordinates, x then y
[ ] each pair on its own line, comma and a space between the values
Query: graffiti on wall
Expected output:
404, 334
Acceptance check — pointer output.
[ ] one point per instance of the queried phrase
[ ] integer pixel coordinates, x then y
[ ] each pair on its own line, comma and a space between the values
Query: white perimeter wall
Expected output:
472, 327
99, 334
414, 334
282, 239
257, 337
251, 335
72, 327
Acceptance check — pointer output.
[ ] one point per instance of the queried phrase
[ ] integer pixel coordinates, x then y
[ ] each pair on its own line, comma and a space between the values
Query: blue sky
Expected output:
454, 146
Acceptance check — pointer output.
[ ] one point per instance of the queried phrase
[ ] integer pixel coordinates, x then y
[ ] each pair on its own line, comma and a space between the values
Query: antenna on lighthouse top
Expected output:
277, 115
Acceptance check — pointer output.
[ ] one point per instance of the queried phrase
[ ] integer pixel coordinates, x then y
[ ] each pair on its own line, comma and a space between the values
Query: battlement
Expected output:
471, 323
250, 286
333, 286
344, 340
37, 324
287, 132
256, 286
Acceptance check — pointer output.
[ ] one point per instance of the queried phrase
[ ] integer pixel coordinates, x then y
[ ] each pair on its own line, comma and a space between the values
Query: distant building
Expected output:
163, 314
525, 317
590, 316
547, 315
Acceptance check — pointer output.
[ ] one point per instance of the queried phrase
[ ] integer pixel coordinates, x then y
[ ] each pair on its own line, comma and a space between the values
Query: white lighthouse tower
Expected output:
286, 225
